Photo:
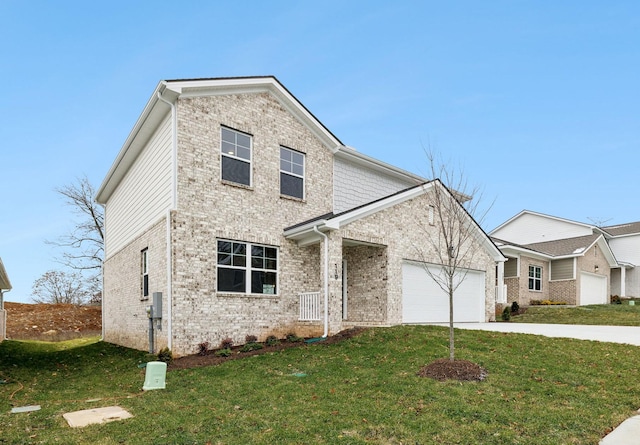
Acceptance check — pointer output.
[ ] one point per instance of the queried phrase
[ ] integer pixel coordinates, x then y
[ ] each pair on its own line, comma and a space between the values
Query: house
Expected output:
242, 214
551, 258
5, 286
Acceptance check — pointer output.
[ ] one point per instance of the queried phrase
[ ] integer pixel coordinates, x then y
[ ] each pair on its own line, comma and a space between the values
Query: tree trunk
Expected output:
451, 342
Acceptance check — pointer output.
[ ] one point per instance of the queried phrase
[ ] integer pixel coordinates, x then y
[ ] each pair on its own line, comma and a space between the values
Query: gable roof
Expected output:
156, 110
543, 215
623, 229
305, 234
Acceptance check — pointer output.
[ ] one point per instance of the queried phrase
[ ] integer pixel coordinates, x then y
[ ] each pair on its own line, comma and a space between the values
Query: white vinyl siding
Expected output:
145, 193
562, 269
355, 185
528, 228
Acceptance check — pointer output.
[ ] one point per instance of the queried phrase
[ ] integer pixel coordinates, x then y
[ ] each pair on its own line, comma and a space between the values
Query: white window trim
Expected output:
529, 277
303, 176
144, 263
248, 269
249, 161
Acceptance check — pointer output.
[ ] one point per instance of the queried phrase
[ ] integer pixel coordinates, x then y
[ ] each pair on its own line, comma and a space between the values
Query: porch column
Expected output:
500, 296
335, 282
623, 281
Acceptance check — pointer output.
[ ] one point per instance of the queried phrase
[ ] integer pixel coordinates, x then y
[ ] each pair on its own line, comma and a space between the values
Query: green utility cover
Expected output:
155, 376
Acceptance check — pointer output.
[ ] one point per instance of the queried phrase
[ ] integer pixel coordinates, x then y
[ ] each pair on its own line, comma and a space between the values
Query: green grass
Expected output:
605, 314
361, 391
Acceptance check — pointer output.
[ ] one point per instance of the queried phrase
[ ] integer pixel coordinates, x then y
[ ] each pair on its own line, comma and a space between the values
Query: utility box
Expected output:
155, 376
157, 305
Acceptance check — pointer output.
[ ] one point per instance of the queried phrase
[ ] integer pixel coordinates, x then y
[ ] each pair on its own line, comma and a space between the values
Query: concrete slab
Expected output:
86, 417
627, 433
25, 409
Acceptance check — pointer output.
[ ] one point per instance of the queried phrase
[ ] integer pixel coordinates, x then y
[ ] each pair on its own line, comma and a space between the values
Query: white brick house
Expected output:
236, 203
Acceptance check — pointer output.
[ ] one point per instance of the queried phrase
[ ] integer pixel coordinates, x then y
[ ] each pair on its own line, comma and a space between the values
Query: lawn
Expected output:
604, 314
361, 391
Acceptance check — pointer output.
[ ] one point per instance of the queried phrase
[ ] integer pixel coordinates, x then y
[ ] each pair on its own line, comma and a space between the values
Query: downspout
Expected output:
174, 204
326, 281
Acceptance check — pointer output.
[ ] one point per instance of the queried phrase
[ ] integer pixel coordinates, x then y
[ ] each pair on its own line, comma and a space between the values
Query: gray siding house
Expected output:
251, 218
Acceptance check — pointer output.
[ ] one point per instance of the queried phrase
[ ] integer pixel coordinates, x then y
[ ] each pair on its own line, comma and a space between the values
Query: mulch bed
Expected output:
210, 358
461, 370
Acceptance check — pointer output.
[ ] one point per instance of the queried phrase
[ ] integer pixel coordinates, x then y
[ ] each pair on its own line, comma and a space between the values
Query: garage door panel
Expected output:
593, 289
425, 302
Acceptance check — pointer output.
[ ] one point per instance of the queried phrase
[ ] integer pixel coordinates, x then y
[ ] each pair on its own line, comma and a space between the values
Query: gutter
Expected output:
174, 204
326, 281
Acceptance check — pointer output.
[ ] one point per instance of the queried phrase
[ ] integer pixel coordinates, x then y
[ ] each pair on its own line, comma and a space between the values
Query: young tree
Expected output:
451, 231
83, 245
55, 287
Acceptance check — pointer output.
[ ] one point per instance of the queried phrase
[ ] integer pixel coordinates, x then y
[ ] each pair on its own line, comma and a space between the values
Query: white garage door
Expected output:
593, 289
424, 302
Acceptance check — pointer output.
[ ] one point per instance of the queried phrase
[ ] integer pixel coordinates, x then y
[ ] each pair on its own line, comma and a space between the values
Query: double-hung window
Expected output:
144, 269
535, 278
247, 268
291, 173
235, 148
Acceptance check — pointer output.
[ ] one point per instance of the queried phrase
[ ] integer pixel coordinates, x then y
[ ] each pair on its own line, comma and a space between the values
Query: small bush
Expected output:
225, 352
165, 355
515, 308
251, 339
546, 303
272, 340
203, 348
506, 314
293, 338
227, 343
251, 347
615, 299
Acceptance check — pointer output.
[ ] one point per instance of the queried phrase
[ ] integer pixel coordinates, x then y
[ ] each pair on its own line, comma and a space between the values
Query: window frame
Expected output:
291, 173
235, 156
249, 268
144, 274
533, 279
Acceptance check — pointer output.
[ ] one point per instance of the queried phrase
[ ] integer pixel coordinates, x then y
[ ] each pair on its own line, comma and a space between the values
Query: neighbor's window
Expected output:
535, 278
144, 267
235, 148
247, 268
291, 173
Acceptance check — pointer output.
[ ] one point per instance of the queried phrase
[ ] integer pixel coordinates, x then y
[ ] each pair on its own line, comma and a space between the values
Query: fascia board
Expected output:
519, 251
5, 284
154, 112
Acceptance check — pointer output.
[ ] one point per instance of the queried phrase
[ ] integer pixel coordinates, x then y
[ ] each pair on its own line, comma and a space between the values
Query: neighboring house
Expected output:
5, 286
231, 199
551, 258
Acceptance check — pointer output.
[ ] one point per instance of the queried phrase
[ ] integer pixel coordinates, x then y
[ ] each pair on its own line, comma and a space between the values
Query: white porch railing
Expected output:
310, 306
504, 294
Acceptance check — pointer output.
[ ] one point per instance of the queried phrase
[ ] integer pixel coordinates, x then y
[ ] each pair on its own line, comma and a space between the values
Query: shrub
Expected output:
251, 339
165, 355
615, 299
251, 347
225, 352
506, 314
515, 308
293, 338
203, 348
272, 340
227, 343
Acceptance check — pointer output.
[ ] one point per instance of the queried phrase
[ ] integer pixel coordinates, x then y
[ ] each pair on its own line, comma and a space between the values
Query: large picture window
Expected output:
535, 278
247, 268
291, 173
235, 148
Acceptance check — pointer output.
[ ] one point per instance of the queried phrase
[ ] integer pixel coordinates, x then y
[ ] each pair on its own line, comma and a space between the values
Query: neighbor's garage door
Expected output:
424, 302
593, 289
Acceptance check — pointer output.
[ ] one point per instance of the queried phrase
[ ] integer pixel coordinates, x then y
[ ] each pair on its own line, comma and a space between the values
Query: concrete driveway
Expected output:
613, 334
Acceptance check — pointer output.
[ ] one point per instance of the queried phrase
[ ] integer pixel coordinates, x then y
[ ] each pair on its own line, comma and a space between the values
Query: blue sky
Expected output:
537, 101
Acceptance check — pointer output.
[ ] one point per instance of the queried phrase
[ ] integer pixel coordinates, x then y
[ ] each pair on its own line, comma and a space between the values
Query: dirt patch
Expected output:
461, 370
52, 322
210, 358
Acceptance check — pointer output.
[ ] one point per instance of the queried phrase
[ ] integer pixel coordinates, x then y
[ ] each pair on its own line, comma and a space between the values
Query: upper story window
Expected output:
144, 266
535, 278
247, 268
235, 148
291, 173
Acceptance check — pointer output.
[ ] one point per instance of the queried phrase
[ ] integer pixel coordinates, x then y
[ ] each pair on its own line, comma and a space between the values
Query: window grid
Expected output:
535, 278
292, 173
236, 148
252, 268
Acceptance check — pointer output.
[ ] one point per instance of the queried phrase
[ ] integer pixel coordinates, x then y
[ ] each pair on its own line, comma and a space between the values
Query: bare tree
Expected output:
83, 246
451, 231
55, 287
